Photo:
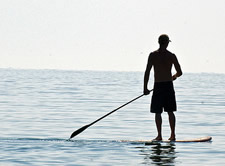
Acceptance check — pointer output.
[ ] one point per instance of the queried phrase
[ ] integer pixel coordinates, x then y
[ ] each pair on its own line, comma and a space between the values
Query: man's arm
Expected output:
177, 67
147, 74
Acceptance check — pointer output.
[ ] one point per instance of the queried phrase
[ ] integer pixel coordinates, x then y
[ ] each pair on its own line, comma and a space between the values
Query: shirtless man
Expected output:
163, 94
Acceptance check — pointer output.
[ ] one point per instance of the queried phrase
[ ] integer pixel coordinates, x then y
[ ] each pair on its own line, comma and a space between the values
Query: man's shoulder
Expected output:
170, 53
154, 53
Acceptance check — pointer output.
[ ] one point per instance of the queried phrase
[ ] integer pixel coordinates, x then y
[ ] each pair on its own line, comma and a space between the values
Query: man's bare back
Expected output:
162, 61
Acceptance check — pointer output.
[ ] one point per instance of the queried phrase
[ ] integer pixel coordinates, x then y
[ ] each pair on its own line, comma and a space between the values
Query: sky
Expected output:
110, 34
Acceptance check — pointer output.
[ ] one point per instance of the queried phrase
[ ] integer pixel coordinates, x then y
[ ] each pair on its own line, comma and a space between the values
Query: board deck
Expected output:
202, 139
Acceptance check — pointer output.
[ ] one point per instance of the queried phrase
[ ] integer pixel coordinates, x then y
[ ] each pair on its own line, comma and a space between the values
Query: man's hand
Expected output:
174, 77
146, 92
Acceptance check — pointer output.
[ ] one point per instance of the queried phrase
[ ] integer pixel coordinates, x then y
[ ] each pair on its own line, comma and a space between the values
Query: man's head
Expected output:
164, 39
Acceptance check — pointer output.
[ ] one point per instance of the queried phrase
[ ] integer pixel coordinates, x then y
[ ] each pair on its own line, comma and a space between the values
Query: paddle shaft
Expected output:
115, 110
86, 126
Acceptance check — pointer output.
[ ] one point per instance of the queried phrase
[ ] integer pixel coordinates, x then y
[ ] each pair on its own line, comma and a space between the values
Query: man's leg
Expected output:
158, 121
172, 120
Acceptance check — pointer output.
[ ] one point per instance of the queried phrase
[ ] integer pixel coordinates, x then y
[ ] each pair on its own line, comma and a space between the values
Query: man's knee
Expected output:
170, 113
158, 114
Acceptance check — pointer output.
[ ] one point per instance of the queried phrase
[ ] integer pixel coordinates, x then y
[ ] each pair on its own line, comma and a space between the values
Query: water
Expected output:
41, 108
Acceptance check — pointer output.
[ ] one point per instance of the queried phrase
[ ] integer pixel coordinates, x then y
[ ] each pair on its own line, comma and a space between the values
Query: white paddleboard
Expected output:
203, 139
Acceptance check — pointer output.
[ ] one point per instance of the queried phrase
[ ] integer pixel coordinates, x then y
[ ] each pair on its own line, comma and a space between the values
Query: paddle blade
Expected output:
78, 131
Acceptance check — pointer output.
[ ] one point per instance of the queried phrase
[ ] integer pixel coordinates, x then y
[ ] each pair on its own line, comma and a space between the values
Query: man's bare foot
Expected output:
172, 138
158, 138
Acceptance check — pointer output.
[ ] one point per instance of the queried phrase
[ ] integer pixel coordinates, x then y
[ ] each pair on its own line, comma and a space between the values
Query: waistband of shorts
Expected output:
166, 84
163, 83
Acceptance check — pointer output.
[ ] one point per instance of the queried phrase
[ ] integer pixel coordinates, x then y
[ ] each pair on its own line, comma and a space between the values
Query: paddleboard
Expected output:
202, 139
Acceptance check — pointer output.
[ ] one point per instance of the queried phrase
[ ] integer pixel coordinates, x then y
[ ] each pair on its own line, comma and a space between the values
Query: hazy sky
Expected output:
110, 34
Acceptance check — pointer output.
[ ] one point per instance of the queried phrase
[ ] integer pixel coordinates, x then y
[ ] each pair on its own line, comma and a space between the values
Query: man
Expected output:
163, 96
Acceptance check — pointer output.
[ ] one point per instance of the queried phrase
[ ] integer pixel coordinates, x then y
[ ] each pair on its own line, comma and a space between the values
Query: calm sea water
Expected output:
39, 109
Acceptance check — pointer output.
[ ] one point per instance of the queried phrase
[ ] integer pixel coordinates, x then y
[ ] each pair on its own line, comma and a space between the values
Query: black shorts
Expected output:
163, 97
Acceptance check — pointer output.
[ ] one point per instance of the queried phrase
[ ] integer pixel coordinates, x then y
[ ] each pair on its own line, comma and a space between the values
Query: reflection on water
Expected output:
159, 154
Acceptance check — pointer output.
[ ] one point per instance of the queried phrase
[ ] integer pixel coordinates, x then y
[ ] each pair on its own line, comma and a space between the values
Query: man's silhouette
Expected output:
163, 97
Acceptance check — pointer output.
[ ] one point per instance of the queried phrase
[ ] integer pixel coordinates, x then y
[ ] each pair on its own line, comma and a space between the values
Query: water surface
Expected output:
41, 108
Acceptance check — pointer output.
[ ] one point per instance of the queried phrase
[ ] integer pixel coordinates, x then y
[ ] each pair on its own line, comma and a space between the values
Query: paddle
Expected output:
86, 126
